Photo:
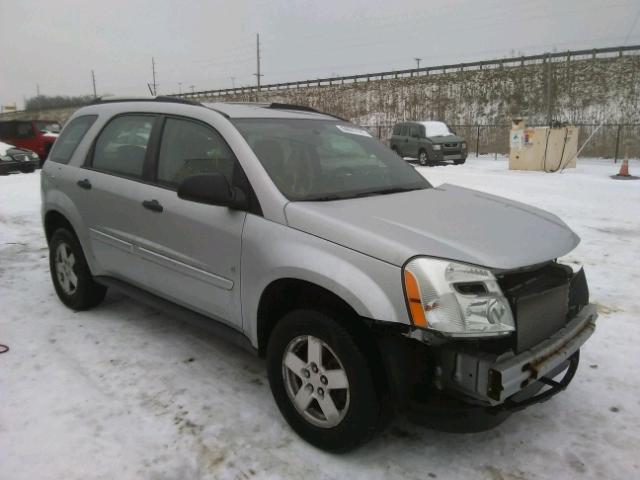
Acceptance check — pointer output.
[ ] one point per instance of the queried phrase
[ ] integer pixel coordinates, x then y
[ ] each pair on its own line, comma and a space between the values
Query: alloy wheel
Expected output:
316, 381
65, 263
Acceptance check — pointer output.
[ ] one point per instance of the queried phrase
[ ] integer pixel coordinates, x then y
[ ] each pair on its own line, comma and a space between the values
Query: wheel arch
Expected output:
54, 220
287, 294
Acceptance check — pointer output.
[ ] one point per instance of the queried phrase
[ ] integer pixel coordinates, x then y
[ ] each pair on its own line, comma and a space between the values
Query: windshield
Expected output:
436, 129
51, 127
326, 160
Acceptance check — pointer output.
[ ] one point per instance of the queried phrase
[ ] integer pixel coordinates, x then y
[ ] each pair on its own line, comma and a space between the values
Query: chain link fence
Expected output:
610, 140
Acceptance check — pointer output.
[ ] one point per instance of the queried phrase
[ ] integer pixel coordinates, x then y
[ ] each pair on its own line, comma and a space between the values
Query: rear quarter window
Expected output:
70, 138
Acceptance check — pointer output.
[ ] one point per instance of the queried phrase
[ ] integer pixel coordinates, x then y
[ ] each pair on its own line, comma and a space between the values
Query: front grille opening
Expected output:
539, 300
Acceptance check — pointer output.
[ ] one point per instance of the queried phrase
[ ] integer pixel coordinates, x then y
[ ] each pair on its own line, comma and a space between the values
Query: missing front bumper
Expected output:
491, 380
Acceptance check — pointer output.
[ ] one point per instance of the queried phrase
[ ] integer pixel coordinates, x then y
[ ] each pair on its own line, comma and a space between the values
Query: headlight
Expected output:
464, 145
437, 147
456, 299
34, 155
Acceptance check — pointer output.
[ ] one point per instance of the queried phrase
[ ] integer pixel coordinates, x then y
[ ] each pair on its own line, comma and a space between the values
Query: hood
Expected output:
446, 222
447, 139
5, 147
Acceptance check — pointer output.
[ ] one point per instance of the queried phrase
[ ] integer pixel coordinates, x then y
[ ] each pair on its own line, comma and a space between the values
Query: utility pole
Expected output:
233, 82
257, 74
180, 87
93, 80
193, 88
38, 89
547, 64
153, 71
417, 61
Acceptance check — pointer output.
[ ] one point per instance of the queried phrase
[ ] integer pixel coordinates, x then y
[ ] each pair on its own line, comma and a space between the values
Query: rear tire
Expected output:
459, 162
70, 273
423, 159
304, 394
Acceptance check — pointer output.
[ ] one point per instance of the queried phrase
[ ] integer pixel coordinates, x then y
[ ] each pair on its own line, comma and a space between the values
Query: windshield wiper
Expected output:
368, 193
386, 191
325, 198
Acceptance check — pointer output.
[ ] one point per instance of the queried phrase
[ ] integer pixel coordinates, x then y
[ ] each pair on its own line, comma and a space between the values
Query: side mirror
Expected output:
212, 189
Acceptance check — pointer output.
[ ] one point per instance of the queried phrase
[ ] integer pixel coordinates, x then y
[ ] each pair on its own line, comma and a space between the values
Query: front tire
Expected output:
321, 381
423, 159
70, 273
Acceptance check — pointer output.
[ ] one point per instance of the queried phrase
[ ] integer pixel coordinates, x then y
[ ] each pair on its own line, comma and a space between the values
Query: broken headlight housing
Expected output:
455, 299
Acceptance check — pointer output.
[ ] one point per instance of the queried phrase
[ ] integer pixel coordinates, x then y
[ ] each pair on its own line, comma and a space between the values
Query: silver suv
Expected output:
300, 237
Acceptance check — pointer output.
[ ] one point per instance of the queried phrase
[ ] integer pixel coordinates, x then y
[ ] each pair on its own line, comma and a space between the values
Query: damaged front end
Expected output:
499, 370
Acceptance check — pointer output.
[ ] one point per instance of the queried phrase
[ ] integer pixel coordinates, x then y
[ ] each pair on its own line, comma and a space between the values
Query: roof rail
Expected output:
284, 106
287, 106
302, 108
160, 98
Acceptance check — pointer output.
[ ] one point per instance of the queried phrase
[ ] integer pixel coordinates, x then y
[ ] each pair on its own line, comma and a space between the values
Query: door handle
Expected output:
153, 205
86, 184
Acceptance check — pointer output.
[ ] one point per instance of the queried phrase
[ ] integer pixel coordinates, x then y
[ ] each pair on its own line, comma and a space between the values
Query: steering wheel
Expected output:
302, 175
343, 172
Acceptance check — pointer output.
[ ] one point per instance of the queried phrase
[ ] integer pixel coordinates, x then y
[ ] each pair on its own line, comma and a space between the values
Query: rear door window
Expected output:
24, 130
70, 138
121, 148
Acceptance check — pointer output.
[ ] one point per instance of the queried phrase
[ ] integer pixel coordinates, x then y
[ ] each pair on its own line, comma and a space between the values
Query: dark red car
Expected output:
35, 135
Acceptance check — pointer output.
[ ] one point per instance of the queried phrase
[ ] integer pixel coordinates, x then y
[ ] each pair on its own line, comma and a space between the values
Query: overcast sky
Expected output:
56, 43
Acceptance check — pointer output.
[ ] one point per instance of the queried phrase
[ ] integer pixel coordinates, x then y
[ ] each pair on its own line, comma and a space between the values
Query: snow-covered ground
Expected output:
126, 392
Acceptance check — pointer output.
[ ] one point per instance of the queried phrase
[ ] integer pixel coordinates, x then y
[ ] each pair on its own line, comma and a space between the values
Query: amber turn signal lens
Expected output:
416, 309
